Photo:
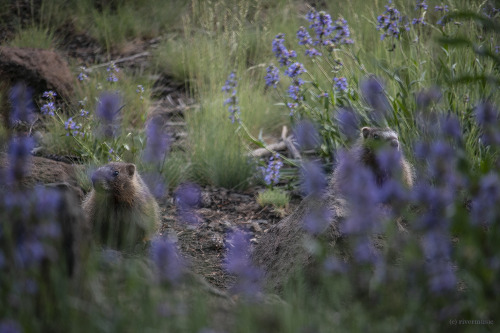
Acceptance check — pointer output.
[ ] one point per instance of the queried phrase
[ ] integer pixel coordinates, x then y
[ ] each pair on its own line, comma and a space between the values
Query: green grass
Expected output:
273, 197
34, 37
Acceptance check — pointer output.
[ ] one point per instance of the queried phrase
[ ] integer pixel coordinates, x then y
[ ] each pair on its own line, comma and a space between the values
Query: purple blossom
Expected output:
441, 8
273, 76
107, 109
304, 37
48, 108
295, 70
342, 32
112, 70
238, 263
83, 74
167, 260
418, 20
281, 52
485, 203
10, 326
365, 252
321, 23
292, 107
272, 172
294, 91
51, 95
72, 128
232, 102
349, 123
157, 142
19, 156
334, 265
317, 220
313, 179
421, 5
20, 97
312, 52
187, 200
391, 22
340, 83
155, 183
306, 135
373, 92
426, 98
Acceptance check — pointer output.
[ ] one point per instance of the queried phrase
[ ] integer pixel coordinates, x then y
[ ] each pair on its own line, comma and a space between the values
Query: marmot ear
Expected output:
131, 169
365, 131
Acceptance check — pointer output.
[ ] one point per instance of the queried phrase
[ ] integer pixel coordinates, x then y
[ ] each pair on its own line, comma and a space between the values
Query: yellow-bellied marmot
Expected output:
120, 208
364, 152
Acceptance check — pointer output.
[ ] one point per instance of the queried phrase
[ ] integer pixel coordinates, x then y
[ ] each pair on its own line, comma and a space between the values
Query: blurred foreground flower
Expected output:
237, 262
108, 109
187, 200
167, 260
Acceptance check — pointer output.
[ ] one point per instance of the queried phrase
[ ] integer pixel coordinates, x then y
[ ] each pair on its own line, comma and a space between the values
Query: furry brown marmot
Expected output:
121, 210
371, 141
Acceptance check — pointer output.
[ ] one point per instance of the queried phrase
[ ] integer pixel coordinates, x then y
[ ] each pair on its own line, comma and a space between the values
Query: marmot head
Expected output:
113, 177
377, 138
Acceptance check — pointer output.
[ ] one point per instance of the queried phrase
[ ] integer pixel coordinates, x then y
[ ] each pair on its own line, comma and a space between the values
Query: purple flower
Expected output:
281, 52
292, 107
334, 265
112, 70
167, 260
391, 22
312, 52
10, 326
419, 20
365, 252
157, 142
486, 114
232, 102
273, 76
155, 183
51, 95
294, 91
421, 5
48, 108
340, 84
342, 32
304, 37
71, 127
443, 9
295, 70
373, 92
19, 155
349, 123
321, 23
426, 98
484, 205
107, 109
317, 220
272, 172
306, 135
83, 74
187, 200
238, 263
20, 98
313, 179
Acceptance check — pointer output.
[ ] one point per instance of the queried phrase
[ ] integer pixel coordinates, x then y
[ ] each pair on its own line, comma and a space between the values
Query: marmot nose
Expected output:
395, 143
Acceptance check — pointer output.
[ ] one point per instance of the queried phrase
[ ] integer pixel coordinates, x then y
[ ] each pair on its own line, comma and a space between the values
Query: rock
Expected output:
46, 171
40, 69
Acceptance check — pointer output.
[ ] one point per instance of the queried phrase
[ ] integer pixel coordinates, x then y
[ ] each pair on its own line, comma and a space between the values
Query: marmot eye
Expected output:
375, 136
115, 173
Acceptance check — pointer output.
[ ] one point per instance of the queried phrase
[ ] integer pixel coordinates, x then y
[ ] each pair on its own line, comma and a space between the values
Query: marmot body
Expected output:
120, 208
364, 153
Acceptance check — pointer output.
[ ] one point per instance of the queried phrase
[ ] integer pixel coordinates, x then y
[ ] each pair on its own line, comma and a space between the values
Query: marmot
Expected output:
120, 208
375, 139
